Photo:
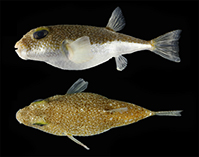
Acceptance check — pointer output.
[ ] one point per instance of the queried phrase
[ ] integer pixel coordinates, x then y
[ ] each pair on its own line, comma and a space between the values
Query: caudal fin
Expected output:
168, 113
167, 45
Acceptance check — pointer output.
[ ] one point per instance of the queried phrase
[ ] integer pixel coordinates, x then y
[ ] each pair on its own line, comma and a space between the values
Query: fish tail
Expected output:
168, 113
167, 45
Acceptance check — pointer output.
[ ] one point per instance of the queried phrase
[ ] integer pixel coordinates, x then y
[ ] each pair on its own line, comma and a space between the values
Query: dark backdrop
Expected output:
149, 80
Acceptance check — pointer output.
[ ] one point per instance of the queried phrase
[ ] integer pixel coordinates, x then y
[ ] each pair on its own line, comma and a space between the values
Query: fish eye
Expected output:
39, 124
40, 34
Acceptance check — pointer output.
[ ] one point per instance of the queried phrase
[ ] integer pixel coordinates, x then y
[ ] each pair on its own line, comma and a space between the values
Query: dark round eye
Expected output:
40, 34
39, 124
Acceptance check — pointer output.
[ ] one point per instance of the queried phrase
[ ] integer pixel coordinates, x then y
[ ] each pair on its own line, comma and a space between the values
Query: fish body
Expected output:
82, 114
78, 47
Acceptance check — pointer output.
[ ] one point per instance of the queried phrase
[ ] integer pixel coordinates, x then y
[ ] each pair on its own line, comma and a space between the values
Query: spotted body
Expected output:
77, 47
82, 114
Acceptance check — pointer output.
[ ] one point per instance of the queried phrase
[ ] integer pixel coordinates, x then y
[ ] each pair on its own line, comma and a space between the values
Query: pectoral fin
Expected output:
123, 109
121, 62
78, 51
76, 141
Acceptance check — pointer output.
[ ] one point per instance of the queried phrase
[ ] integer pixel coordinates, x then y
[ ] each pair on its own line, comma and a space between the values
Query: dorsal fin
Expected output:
116, 21
79, 86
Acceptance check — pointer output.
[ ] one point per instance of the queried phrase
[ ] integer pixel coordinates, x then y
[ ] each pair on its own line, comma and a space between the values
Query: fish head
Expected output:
38, 43
34, 115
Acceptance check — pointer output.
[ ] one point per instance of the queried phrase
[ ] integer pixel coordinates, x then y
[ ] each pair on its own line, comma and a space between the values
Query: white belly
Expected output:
102, 53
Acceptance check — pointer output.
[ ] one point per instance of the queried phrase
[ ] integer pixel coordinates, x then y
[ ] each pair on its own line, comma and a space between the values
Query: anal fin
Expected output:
121, 62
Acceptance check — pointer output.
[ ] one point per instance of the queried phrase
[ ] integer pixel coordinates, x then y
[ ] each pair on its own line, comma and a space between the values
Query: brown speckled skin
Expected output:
58, 33
80, 114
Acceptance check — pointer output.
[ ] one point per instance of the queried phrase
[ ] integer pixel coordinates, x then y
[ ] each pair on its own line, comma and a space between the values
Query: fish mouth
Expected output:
21, 52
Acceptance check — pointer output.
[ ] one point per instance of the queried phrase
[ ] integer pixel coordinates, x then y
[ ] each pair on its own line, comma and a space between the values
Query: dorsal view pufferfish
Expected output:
78, 47
82, 114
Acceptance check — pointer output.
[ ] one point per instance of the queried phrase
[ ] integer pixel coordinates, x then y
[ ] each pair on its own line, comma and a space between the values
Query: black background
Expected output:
148, 81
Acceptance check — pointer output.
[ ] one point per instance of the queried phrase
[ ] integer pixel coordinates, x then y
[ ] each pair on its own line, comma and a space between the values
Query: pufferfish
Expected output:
78, 47
78, 113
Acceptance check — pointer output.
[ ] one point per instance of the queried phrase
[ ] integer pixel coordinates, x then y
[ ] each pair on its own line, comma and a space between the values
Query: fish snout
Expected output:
18, 116
25, 116
20, 50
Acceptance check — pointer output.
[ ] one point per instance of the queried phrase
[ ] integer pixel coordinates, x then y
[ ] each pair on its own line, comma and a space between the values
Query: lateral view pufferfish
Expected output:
78, 47
82, 114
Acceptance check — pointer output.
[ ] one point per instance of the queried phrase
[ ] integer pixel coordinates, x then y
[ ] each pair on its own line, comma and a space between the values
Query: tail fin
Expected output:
168, 113
167, 45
